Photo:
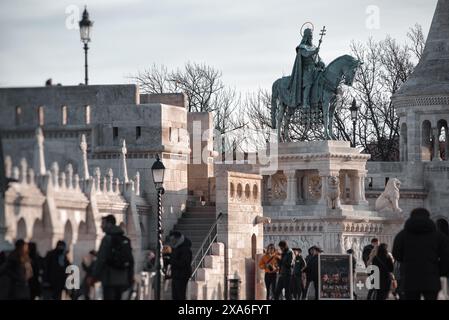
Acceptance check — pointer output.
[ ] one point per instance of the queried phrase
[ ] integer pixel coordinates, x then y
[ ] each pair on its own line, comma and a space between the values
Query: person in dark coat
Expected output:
307, 273
19, 272
298, 270
181, 264
37, 264
88, 265
354, 268
114, 281
55, 265
423, 254
285, 271
384, 262
312, 268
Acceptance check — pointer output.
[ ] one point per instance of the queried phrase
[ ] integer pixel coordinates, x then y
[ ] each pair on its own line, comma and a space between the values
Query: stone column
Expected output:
291, 187
360, 181
436, 144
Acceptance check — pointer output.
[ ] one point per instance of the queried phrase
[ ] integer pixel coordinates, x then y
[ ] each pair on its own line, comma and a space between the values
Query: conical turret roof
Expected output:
431, 75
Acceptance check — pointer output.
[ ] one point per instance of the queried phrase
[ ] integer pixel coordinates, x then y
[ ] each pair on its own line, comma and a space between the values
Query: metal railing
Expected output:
204, 250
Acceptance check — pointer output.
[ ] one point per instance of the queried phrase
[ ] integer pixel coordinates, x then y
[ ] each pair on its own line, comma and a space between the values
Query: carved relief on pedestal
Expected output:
279, 186
314, 187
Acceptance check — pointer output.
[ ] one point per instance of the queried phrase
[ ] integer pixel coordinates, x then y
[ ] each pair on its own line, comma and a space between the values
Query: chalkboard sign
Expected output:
335, 277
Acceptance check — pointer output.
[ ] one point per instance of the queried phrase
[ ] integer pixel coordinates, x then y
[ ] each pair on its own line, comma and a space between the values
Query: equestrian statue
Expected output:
311, 87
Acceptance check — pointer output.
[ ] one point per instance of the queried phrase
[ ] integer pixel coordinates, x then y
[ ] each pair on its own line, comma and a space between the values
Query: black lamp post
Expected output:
354, 113
85, 27
158, 170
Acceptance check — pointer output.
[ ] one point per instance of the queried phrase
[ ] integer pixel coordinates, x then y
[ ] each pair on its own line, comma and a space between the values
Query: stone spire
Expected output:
431, 75
39, 159
124, 170
84, 167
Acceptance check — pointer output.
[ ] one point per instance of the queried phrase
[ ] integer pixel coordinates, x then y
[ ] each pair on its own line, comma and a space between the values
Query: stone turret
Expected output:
422, 103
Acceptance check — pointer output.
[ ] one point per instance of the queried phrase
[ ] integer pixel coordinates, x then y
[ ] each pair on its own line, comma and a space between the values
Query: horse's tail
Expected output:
274, 103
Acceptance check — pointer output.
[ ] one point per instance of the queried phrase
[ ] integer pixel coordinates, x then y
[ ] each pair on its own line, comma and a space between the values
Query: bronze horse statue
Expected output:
323, 92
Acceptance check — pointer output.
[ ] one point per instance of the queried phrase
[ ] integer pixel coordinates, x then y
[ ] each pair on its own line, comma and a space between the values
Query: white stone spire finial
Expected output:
23, 170
69, 175
38, 156
8, 166
124, 169
84, 167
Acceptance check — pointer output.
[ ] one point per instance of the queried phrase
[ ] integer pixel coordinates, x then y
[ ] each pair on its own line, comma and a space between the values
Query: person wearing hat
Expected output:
312, 268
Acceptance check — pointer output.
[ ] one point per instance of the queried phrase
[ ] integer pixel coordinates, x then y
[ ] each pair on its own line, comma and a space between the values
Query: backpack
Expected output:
121, 254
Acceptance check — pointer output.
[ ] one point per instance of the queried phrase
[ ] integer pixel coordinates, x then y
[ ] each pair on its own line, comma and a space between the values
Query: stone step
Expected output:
188, 226
196, 221
200, 209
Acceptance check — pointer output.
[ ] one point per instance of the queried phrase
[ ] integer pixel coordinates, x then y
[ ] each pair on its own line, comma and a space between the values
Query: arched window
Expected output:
87, 114
64, 115
18, 118
40, 115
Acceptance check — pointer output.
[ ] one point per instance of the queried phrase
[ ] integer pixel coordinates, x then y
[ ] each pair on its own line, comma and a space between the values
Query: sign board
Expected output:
335, 277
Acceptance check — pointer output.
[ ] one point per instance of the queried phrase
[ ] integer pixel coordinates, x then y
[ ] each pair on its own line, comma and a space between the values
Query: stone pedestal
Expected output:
319, 198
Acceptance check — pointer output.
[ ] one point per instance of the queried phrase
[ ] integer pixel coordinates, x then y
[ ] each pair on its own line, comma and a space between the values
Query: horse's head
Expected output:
349, 69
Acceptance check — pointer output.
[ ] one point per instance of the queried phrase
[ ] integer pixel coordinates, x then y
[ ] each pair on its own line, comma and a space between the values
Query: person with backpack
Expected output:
180, 263
285, 271
114, 266
423, 254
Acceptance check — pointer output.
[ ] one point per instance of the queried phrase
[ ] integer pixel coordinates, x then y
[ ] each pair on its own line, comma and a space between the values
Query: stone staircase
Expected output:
195, 224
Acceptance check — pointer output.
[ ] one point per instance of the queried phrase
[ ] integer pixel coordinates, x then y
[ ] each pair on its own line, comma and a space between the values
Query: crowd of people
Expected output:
25, 275
414, 269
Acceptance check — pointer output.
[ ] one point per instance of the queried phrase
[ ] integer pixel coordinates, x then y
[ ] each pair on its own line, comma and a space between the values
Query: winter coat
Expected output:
285, 264
300, 264
312, 269
386, 267
423, 253
55, 265
108, 275
181, 260
16, 271
269, 260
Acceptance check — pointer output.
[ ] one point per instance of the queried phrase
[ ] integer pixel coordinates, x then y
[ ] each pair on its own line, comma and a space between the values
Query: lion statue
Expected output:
333, 192
388, 201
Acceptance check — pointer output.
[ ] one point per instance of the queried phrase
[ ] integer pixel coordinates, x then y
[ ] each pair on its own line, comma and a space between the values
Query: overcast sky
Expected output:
253, 41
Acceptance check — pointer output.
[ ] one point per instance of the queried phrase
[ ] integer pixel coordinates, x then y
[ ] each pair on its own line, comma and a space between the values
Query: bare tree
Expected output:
418, 41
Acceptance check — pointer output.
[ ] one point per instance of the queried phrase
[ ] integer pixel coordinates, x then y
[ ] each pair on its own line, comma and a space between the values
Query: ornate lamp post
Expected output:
354, 114
85, 27
158, 170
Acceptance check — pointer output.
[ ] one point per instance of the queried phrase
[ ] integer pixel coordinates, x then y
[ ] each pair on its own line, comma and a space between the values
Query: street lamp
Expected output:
354, 113
158, 171
85, 27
